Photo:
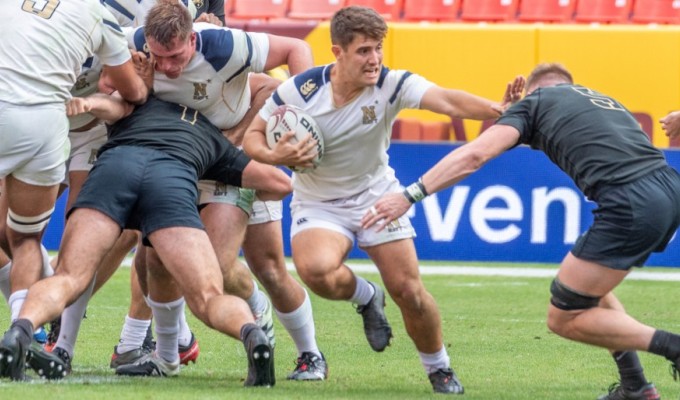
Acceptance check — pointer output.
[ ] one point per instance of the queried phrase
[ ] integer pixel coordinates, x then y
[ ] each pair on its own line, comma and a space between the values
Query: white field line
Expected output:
518, 272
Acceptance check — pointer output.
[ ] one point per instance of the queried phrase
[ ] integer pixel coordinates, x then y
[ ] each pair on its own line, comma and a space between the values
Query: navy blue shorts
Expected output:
632, 221
142, 189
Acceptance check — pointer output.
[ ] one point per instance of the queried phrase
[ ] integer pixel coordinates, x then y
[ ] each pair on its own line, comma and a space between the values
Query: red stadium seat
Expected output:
656, 11
389, 9
489, 10
604, 11
431, 10
259, 9
546, 10
314, 9
407, 129
435, 131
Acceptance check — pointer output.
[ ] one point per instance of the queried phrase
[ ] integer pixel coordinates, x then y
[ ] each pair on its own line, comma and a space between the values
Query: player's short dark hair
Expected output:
549, 70
356, 20
168, 20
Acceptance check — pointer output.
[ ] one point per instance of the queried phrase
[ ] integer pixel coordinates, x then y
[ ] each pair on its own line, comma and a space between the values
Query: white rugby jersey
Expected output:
215, 82
132, 13
356, 136
86, 84
45, 42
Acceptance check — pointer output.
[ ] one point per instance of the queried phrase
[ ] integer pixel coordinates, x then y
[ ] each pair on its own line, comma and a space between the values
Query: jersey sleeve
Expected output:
285, 93
229, 168
124, 11
407, 88
260, 50
113, 49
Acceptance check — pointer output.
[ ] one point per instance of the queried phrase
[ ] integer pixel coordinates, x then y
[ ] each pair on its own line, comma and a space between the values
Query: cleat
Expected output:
445, 381
149, 345
150, 365
53, 335
54, 365
377, 329
309, 367
260, 359
190, 352
13, 355
265, 320
129, 357
618, 392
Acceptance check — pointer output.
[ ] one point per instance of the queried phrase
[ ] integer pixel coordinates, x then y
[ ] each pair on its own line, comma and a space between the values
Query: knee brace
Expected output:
33, 224
566, 299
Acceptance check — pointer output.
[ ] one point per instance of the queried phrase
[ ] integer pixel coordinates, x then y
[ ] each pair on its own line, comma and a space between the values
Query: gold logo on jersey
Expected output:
198, 3
369, 115
81, 83
308, 88
200, 91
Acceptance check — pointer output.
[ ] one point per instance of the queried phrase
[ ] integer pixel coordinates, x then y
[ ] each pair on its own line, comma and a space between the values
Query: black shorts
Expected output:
143, 189
632, 221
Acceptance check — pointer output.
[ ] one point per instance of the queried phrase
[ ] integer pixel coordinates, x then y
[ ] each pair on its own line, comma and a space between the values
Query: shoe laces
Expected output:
306, 361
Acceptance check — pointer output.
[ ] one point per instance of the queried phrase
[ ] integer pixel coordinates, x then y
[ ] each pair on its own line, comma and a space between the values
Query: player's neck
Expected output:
343, 90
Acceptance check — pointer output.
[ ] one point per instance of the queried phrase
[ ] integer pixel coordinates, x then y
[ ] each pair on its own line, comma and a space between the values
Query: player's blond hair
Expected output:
356, 20
166, 21
548, 72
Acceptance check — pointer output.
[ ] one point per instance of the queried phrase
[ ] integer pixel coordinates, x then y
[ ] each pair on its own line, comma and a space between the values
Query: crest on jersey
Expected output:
369, 115
200, 91
81, 83
307, 88
199, 3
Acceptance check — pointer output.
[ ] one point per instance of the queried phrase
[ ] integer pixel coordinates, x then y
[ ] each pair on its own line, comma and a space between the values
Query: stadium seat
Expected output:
407, 129
259, 9
489, 10
314, 9
546, 10
458, 129
389, 9
656, 11
646, 124
603, 11
431, 10
435, 131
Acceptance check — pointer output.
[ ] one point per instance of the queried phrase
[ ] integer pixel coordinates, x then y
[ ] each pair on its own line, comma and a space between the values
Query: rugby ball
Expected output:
288, 118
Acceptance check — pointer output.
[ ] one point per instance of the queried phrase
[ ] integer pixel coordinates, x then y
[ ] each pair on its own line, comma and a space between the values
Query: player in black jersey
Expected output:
145, 179
599, 144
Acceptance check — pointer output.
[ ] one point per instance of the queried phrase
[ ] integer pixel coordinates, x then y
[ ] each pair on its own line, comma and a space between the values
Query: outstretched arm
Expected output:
671, 124
109, 108
457, 165
461, 104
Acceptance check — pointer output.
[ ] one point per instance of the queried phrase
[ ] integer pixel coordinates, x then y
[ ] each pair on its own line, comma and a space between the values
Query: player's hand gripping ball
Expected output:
288, 118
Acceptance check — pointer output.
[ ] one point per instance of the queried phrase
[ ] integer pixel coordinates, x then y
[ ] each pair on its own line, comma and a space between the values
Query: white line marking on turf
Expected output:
518, 272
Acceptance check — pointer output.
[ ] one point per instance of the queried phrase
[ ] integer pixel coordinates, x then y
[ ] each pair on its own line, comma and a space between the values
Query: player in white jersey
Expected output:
132, 13
355, 101
44, 45
209, 68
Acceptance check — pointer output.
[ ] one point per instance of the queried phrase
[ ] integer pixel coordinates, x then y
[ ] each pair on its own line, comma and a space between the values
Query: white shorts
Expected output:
35, 145
344, 216
84, 148
260, 212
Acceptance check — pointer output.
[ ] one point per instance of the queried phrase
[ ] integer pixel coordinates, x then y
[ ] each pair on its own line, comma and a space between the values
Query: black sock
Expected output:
26, 328
665, 344
246, 329
630, 370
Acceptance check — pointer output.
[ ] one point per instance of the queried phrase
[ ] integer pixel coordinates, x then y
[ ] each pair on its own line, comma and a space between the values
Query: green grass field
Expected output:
494, 329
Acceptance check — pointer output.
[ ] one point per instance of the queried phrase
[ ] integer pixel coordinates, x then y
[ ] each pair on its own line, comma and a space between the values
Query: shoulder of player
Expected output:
307, 84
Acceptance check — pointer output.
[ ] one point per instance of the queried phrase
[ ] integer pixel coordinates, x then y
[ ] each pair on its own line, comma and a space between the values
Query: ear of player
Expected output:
289, 118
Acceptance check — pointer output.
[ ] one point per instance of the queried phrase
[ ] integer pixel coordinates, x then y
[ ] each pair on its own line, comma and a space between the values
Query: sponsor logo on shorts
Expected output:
301, 221
395, 226
93, 156
220, 189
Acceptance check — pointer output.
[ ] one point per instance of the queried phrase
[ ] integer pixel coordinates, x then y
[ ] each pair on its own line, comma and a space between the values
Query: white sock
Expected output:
257, 301
4, 281
184, 336
133, 334
47, 270
435, 361
300, 325
16, 300
166, 317
71, 319
363, 293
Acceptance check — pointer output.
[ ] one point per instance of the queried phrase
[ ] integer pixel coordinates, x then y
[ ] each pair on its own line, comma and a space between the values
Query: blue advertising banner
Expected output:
518, 208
